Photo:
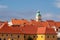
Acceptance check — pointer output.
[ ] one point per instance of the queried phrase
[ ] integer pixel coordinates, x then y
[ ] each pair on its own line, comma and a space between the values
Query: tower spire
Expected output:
38, 16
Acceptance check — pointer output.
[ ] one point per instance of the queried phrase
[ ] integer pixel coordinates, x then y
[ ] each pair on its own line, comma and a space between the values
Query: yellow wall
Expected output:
40, 37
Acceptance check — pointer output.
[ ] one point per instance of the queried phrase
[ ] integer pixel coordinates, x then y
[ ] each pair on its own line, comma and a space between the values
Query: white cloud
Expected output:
57, 3
48, 15
3, 6
58, 16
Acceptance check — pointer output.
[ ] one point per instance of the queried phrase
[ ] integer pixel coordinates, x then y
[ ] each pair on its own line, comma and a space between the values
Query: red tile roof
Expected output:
7, 29
48, 23
20, 21
57, 24
27, 29
38, 30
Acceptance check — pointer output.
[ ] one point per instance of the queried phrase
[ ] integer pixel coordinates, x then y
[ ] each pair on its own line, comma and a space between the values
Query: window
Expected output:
18, 36
53, 36
0, 38
41, 36
47, 36
34, 36
24, 36
4, 39
2, 34
11, 34
6, 34
12, 39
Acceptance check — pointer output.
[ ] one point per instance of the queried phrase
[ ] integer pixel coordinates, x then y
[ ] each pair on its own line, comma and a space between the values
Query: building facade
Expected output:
21, 29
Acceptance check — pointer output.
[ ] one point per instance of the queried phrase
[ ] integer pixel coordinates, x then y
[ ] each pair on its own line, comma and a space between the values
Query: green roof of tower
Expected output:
38, 13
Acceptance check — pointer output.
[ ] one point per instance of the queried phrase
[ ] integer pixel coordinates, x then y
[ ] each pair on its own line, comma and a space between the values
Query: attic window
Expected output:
32, 24
40, 26
16, 25
24, 23
0, 24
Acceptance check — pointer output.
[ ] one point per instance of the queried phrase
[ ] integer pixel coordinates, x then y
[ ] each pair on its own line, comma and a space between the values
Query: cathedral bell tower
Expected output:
38, 16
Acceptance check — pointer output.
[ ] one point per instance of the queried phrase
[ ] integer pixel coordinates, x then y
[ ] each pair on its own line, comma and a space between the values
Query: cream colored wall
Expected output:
14, 36
37, 37
41, 37
51, 37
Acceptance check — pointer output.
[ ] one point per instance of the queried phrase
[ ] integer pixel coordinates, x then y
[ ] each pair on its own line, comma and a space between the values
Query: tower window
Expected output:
39, 19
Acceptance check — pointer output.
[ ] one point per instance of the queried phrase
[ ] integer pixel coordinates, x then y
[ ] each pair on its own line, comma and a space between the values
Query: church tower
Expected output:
38, 16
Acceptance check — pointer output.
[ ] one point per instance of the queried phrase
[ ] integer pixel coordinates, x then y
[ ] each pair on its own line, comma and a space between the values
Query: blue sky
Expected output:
50, 9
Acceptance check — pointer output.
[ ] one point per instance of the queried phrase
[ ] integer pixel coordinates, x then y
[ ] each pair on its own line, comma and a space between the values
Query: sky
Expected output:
49, 9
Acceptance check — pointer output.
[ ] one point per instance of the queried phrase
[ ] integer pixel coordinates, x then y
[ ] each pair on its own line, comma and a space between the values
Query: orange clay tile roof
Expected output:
38, 30
46, 30
20, 21
57, 24
27, 29
7, 29
48, 23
